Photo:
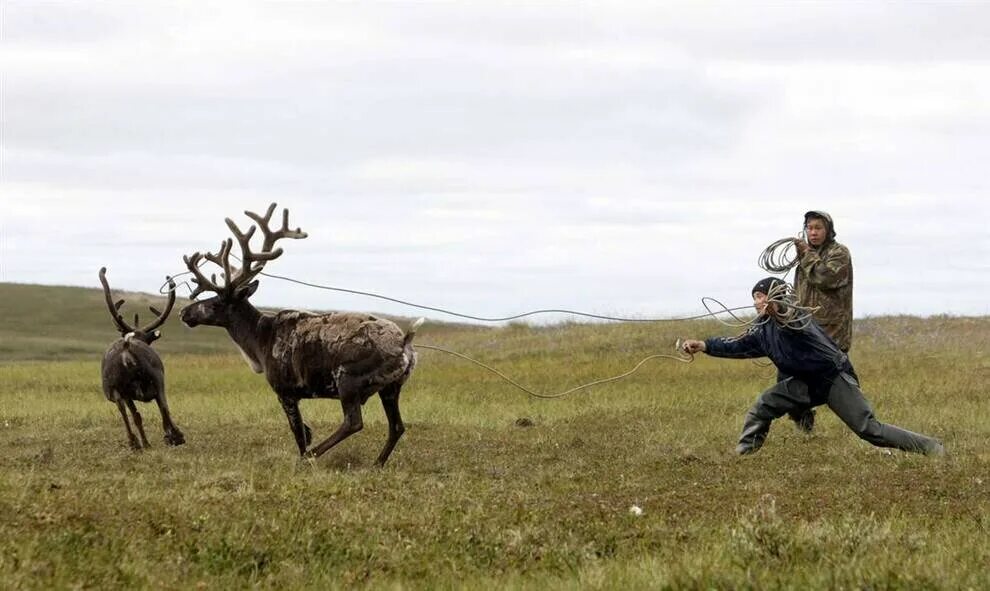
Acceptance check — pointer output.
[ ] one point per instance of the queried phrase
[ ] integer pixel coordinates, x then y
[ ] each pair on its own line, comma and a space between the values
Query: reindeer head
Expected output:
149, 333
238, 282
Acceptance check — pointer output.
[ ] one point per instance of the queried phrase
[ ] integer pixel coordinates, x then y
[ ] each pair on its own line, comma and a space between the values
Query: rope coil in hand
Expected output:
779, 257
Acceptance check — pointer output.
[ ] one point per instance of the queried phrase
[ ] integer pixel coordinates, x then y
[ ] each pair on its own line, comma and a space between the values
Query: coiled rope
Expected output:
783, 308
779, 257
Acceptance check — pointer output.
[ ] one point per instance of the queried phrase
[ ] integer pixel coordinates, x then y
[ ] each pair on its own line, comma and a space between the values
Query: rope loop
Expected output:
683, 358
779, 257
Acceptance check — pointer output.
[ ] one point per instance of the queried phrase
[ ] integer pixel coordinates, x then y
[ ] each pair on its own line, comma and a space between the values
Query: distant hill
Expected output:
52, 322
43, 322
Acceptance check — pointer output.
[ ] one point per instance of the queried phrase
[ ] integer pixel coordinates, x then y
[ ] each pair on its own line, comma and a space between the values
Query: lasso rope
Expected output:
774, 259
788, 313
683, 358
686, 358
779, 257
783, 308
714, 314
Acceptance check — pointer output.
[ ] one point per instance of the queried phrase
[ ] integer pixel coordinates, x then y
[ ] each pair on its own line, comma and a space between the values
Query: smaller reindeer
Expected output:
132, 370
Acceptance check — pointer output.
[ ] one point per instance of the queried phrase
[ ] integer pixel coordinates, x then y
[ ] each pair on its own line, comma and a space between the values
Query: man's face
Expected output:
759, 302
816, 230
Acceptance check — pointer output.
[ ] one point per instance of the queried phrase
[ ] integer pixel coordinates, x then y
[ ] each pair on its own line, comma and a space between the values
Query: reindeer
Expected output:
132, 370
346, 356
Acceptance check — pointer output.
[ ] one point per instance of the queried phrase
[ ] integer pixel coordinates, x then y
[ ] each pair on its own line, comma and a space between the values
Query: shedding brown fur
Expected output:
345, 356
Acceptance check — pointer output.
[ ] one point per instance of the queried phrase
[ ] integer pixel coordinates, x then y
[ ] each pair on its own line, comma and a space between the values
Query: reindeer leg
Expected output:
351, 425
172, 434
390, 402
135, 444
300, 430
138, 422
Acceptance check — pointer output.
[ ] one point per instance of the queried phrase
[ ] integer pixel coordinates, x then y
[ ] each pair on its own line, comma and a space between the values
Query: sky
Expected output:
492, 158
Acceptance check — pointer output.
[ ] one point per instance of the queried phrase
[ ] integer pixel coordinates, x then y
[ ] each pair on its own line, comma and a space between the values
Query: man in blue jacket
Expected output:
820, 373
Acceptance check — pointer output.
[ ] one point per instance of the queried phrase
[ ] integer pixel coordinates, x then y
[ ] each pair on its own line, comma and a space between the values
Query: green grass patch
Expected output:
473, 500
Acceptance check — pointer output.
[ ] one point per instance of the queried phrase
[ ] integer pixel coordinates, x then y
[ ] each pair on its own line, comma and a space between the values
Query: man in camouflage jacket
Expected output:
823, 279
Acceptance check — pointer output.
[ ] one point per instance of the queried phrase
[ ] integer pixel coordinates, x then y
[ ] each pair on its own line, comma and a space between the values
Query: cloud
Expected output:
627, 157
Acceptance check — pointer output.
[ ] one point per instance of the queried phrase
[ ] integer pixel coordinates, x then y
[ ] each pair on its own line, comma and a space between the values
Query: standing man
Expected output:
819, 373
823, 279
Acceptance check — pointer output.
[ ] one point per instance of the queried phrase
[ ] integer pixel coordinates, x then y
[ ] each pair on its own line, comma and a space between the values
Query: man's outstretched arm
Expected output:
744, 346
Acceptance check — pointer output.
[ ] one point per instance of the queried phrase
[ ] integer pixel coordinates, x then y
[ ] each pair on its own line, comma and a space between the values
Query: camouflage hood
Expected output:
828, 223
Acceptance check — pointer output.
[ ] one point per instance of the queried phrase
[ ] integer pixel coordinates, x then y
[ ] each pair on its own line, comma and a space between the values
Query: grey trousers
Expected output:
845, 399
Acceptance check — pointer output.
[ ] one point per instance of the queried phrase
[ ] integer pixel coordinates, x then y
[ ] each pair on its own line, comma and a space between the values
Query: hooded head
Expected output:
826, 220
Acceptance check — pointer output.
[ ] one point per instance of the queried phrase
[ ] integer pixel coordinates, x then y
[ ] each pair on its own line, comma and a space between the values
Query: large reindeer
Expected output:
132, 370
345, 356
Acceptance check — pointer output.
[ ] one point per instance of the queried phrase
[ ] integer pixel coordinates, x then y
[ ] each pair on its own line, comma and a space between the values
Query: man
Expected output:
823, 279
820, 373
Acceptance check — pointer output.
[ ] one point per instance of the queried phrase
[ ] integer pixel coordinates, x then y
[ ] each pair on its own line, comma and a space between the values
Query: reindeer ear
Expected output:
246, 291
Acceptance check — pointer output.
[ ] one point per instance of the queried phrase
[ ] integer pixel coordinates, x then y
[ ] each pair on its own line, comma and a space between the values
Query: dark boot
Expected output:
804, 420
753, 435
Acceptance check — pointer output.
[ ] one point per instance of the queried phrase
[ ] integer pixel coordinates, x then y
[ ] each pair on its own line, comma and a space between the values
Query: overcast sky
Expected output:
496, 157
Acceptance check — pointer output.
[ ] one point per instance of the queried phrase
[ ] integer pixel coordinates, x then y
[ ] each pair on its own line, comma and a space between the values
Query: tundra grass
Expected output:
493, 489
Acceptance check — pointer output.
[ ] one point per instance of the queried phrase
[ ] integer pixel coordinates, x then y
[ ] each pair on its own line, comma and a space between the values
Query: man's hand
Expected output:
801, 246
691, 346
771, 309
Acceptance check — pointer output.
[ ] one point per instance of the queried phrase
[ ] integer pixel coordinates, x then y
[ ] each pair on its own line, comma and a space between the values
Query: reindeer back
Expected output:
314, 350
131, 369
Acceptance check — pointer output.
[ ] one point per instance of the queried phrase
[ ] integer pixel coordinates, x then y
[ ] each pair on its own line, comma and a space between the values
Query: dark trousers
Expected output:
844, 398
801, 415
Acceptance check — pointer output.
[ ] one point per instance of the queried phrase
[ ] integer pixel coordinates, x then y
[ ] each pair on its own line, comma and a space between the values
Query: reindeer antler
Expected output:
118, 319
251, 262
114, 308
271, 237
161, 317
221, 258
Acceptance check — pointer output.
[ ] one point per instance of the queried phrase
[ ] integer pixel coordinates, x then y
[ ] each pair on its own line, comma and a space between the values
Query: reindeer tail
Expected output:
126, 356
412, 332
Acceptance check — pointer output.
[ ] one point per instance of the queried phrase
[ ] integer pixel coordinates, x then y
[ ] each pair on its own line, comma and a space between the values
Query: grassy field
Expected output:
473, 497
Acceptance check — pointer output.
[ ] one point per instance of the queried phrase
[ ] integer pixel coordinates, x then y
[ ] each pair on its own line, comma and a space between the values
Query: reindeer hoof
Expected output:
174, 438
